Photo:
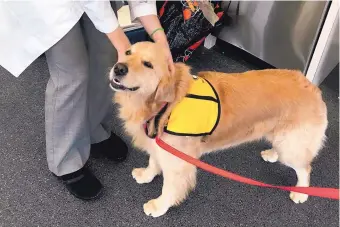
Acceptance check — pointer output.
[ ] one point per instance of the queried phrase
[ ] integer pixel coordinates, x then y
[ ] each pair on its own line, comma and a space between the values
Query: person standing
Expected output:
81, 40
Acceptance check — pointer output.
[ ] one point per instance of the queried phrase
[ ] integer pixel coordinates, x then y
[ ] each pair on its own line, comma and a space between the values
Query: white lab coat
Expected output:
29, 28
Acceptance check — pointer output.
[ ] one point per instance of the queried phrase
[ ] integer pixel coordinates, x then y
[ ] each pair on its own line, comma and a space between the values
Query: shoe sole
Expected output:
97, 196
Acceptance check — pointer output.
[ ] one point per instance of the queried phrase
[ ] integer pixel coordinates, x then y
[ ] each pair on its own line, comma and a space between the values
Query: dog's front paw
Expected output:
142, 175
269, 155
155, 208
298, 197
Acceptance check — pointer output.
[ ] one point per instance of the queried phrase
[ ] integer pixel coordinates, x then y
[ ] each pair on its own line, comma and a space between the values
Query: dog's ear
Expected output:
175, 83
166, 90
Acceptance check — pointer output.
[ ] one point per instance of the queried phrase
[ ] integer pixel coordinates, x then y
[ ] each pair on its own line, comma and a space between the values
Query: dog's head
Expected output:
142, 72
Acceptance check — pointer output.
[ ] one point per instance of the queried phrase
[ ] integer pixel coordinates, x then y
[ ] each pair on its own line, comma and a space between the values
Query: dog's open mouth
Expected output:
117, 86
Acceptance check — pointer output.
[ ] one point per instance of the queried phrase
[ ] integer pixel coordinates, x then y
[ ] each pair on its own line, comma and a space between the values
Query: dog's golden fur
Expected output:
281, 106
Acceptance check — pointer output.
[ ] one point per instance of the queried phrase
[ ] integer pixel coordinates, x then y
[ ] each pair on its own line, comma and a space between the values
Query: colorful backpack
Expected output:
186, 26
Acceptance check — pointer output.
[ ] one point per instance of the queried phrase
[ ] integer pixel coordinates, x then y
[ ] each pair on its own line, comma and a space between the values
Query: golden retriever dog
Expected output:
281, 106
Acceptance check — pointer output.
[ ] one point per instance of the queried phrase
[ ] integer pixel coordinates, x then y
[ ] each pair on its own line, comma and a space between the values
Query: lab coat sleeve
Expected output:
101, 14
142, 8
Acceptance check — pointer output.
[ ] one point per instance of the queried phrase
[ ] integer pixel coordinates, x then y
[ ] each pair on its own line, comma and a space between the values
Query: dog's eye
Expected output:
128, 52
147, 64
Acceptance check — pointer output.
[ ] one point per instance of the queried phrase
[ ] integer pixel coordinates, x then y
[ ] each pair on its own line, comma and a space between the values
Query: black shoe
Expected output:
82, 184
114, 148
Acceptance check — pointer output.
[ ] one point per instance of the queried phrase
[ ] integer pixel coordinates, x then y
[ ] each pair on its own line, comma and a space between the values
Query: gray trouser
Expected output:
78, 102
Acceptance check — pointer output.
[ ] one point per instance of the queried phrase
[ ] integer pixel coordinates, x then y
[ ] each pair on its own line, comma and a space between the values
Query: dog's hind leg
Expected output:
303, 176
146, 175
270, 155
297, 148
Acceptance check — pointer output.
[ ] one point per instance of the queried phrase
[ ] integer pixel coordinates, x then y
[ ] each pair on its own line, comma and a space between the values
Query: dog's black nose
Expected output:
120, 69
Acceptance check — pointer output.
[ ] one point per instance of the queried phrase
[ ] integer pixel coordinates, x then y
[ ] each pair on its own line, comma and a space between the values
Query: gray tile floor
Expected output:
30, 196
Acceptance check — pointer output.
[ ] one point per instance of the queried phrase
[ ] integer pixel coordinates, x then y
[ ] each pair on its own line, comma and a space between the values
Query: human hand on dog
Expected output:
122, 54
169, 58
154, 29
161, 39
152, 25
120, 41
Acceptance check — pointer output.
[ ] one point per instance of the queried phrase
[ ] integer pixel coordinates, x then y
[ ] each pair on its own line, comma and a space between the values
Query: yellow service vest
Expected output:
198, 113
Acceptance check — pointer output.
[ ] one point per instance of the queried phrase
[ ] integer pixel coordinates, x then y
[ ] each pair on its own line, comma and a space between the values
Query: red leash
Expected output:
331, 193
